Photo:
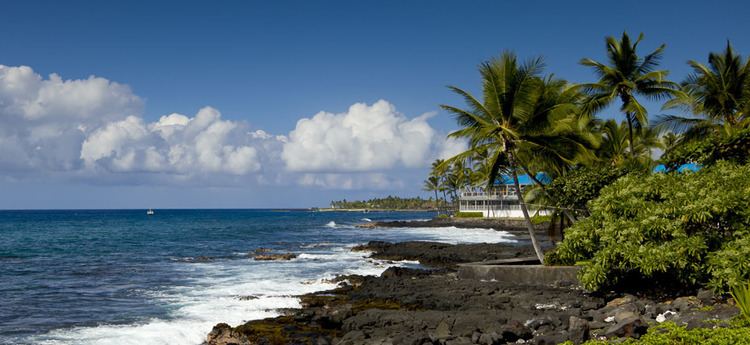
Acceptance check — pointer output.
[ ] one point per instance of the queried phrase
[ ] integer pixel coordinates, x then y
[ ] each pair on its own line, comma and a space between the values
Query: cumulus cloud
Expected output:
94, 128
175, 144
43, 121
364, 138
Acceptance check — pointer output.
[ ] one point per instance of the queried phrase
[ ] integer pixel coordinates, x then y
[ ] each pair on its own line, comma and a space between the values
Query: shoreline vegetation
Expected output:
664, 254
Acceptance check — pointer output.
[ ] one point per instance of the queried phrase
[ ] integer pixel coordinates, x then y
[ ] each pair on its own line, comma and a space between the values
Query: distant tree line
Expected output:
387, 203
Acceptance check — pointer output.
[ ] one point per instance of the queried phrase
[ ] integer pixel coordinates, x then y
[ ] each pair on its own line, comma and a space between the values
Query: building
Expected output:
500, 202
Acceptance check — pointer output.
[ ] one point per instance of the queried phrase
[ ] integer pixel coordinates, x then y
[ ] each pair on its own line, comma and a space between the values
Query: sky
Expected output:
249, 104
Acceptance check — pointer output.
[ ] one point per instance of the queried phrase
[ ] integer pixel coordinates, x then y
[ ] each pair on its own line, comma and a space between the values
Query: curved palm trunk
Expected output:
525, 211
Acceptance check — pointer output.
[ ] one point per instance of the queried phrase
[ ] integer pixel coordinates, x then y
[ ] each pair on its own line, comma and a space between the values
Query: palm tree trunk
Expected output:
437, 207
630, 134
525, 211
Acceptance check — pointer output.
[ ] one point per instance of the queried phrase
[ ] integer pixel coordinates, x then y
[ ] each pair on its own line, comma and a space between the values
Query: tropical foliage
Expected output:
520, 118
628, 223
717, 96
691, 229
626, 76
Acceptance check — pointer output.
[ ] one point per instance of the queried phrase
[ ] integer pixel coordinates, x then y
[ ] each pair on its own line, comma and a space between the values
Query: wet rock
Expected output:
224, 334
275, 257
247, 298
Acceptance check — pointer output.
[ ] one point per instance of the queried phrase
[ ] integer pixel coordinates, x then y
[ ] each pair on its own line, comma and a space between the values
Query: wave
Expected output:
212, 295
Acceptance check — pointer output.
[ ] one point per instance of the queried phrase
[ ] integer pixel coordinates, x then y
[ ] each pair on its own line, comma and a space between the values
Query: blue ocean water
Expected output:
122, 277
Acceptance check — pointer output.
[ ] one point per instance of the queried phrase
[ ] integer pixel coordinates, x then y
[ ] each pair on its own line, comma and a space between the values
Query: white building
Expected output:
500, 202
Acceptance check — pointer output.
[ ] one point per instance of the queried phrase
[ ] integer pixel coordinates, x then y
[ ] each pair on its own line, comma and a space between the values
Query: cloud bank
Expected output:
365, 138
95, 127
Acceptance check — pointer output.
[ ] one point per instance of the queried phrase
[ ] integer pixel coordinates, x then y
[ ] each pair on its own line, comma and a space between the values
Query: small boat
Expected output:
150, 212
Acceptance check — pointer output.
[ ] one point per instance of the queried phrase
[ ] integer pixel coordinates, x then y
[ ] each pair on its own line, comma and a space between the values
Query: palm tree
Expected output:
514, 118
432, 184
626, 76
615, 142
719, 94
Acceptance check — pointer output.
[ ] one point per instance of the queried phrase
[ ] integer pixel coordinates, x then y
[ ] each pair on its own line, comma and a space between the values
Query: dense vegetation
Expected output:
692, 229
626, 222
387, 203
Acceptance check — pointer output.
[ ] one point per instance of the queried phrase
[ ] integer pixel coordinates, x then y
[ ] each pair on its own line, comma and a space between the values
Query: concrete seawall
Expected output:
521, 274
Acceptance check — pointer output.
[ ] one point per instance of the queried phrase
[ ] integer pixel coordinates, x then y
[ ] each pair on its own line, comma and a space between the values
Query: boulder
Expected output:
706, 297
275, 257
632, 327
578, 330
514, 330
443, 330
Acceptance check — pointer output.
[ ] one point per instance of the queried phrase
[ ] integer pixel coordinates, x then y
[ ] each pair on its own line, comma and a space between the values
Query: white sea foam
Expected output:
450, 234
212, 296
331, 224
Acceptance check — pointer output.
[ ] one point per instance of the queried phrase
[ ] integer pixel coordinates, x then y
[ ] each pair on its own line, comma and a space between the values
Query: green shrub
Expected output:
442, 216
735, 148
689, 229
540, 219
741, 296
579, 186
670, 334
469, 215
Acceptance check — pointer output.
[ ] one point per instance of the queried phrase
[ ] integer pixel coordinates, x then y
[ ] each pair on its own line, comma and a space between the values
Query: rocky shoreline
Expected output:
410, 306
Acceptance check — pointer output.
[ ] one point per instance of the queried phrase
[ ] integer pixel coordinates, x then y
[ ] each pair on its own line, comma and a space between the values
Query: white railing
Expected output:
490, 208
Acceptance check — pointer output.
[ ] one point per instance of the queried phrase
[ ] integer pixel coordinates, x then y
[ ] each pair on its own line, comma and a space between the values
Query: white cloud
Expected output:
94, 128
365, 138
43, 121
175, 144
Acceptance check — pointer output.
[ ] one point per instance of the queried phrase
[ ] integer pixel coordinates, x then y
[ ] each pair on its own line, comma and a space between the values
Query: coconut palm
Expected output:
626, 76
616, 148
514, 118
432, 184
718, 94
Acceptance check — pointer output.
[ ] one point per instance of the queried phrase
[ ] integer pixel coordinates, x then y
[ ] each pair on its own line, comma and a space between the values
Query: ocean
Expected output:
122, 277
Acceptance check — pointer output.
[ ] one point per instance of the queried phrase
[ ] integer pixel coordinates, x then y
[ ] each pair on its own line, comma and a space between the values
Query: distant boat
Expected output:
150, 212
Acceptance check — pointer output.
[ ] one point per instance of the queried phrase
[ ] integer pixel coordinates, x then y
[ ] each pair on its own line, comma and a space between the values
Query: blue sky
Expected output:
266, 65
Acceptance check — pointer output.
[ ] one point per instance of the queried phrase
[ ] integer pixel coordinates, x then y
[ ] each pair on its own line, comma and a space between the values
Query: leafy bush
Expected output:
579, 186
685, 228
537, 219
469, 215
735, 148
670, 334
741, 296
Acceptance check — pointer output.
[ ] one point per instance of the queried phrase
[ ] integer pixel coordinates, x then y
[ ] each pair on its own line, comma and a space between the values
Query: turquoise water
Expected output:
119, 277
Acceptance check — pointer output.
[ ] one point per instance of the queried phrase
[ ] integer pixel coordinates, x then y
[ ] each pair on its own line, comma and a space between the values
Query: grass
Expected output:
469, 215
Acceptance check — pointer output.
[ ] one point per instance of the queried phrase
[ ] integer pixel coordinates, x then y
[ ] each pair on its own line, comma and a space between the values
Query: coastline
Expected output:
433, 306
